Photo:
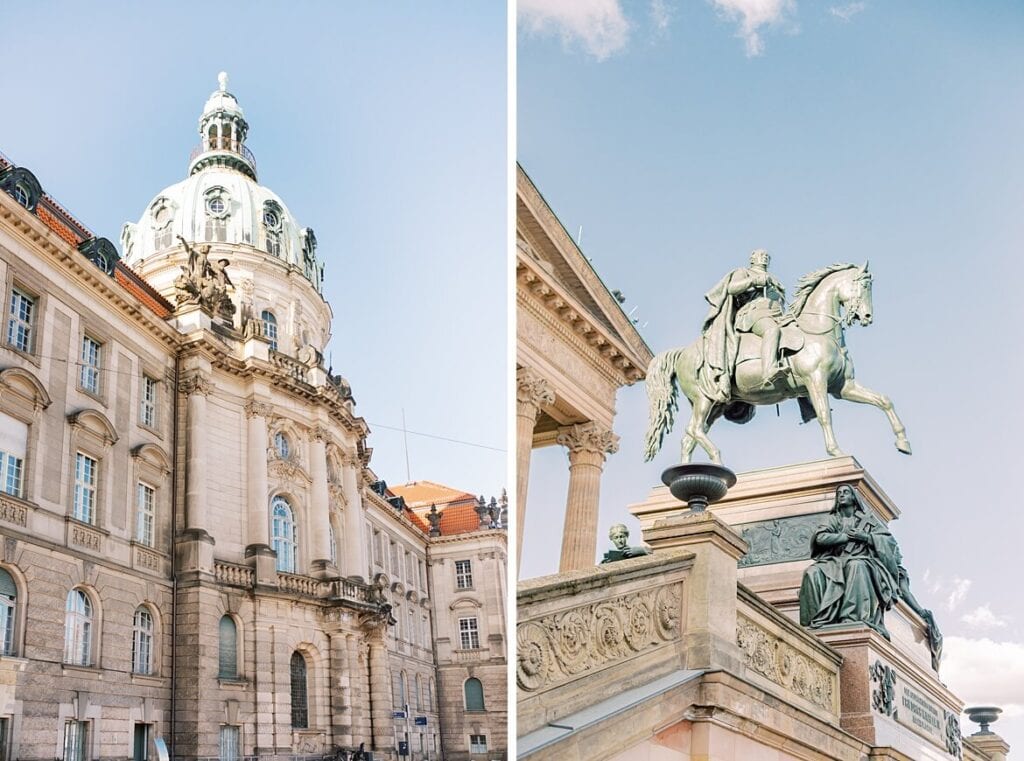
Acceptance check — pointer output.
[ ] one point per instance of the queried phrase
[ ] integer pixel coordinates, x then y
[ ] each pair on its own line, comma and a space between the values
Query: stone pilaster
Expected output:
353, 558
258, 551
194, 547
379, 678
359, 691
588, 443
532, 392
322, 565
340, 686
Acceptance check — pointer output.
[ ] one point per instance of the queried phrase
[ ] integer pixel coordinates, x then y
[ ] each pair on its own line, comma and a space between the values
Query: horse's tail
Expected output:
663, 399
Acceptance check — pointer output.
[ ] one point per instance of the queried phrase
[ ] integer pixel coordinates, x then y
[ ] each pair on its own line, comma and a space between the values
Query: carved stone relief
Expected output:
555, 648
772, 657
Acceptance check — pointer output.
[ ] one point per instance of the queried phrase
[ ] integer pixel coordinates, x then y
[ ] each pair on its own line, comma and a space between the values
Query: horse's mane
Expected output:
806, 284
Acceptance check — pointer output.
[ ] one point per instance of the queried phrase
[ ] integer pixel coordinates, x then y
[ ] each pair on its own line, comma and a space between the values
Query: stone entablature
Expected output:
584, 635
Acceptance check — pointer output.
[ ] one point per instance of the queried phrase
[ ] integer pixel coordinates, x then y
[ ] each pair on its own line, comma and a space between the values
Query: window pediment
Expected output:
22, 384
94, 422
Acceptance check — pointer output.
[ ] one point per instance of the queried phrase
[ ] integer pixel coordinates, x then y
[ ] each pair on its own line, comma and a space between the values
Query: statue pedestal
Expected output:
888, 700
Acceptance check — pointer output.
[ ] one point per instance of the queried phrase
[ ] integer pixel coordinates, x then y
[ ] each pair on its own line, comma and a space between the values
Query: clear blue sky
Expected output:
382, 126
882, 131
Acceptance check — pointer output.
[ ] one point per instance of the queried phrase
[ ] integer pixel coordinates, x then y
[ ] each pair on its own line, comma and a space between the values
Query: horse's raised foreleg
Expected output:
817, 392
854, 392
696, 431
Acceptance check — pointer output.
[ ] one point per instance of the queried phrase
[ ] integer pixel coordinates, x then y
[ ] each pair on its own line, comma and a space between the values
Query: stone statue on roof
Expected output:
204, 282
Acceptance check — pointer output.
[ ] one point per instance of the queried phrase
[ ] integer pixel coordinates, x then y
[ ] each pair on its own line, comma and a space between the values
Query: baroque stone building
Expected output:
196, 551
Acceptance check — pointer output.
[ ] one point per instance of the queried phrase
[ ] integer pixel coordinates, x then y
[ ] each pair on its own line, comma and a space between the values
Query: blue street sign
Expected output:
398, 714
420, 721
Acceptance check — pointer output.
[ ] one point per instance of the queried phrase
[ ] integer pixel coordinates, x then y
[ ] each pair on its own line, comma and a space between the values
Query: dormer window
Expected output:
217, 212
163, 215
22, 196
216, 206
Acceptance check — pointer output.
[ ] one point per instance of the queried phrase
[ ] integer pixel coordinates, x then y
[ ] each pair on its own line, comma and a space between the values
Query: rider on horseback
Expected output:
747, 300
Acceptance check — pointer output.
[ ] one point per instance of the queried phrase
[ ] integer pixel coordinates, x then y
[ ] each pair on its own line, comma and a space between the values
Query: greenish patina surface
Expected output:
621, 550
857, 574
752, 352
780, 540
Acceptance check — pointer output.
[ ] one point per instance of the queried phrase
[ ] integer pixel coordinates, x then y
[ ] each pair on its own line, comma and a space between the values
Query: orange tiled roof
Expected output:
457, 508
143, 291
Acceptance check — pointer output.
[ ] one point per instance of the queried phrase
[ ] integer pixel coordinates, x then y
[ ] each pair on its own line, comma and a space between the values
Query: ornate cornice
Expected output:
318, 433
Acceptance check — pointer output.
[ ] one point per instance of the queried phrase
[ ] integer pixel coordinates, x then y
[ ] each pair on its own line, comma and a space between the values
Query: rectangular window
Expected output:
478, 743
89, 378
378, 553
140, 743
469, 635
230, 744
13, 445
5, 734
85, 488
76, 740
147, 412
463, 574
20, 317
145, 496
396, 561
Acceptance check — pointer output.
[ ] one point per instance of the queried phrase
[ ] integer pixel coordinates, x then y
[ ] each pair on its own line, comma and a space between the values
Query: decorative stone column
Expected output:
195, 546
353, 559
532, 392
320, 509
588, 444
359, 691
379, 677
258, 550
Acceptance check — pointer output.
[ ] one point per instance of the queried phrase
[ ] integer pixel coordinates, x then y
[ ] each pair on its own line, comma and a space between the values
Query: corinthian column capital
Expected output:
196, 383
532, 390
588, 438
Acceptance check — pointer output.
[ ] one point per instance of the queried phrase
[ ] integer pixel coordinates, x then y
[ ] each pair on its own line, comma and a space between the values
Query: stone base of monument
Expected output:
888, 700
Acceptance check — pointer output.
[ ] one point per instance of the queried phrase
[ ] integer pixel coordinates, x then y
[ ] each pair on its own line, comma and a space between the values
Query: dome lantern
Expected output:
222, 133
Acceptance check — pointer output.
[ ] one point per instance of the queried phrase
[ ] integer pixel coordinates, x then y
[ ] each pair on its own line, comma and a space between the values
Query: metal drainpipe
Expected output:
174, 568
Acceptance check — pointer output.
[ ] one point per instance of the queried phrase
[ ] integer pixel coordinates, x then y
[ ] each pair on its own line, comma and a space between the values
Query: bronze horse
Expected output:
818, 365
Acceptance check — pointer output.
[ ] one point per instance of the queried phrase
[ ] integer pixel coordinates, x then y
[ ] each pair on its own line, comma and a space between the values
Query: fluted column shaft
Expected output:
319, 501
532, 392
588, 444
258, 521
353, 560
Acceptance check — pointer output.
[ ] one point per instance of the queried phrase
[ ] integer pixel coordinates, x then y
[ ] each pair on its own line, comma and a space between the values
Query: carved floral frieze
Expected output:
773, 658
559, 647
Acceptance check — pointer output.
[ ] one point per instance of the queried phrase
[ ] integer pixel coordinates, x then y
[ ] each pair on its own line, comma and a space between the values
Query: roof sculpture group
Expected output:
755, 351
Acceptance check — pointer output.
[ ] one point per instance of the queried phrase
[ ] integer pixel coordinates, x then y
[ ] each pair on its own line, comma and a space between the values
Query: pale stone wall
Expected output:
485, 601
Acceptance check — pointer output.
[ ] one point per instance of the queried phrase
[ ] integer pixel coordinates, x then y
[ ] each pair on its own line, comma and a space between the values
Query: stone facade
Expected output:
190, 522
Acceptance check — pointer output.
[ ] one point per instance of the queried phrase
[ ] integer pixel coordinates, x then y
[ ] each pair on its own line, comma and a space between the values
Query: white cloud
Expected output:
848, 11
752, 15
959, 592
982, 617
984, 672
599, 26
660, 15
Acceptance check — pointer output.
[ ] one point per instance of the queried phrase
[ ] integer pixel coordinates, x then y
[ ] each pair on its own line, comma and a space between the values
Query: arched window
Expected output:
227, 657
8, 612
269, 328
78, 623
282, 447
300, 699
474, 694
272, 228
142, 641
283, 534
